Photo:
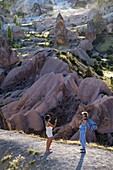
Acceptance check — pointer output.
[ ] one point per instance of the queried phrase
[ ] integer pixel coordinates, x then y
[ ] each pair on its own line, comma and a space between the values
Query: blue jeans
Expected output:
82, 128
83, 138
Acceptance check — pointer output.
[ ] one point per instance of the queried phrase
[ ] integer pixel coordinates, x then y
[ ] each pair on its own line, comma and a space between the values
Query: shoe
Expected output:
83, 151
48, 152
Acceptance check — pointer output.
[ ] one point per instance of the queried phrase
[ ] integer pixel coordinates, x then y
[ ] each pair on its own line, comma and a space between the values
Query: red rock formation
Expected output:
63, 36
60, 32
7, 56
101, 112
43, 95
26, 71
90, 89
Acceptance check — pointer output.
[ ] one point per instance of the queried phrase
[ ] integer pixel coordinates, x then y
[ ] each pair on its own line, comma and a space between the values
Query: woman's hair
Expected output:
47, 117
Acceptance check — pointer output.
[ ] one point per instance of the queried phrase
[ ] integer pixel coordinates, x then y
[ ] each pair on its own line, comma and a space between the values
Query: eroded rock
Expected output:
7, 56
90, 88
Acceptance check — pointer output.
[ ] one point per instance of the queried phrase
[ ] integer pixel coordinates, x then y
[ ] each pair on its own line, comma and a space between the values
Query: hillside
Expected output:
56, 57
23, 152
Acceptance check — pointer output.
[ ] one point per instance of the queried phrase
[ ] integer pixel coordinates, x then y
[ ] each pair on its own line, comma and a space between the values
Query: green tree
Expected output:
99, 72
9, 35
111, 78
88, 72
15, 20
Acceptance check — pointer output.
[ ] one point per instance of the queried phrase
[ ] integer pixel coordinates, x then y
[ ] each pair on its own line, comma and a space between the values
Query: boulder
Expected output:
65, 132
70, 85
103, 114
90, 88
86, 45
27, 71
17, 32
19, 122
54, 65
110, 28
7, 56
29, 123
83, 56
18, 76
34, 121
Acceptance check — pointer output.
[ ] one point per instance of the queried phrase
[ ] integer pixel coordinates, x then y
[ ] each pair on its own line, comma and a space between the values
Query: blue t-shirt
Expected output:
91, 124
82, 127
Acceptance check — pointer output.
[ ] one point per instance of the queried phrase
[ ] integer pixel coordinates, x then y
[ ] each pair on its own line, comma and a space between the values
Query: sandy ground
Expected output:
22, 151
108, 74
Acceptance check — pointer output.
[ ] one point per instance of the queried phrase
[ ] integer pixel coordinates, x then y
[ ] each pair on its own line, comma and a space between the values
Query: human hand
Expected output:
55, 119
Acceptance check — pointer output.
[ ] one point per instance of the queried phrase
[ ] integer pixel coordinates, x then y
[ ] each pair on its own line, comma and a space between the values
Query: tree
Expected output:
88, 72
15, 20
9, 35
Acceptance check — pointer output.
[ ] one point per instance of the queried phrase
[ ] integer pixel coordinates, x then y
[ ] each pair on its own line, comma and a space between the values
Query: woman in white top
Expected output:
49, 132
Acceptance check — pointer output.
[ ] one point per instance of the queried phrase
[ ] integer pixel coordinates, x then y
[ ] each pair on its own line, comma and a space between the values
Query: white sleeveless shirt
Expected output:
49, 131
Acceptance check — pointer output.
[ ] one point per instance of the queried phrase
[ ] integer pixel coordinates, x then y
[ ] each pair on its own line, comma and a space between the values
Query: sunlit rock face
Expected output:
63, 36
60, 32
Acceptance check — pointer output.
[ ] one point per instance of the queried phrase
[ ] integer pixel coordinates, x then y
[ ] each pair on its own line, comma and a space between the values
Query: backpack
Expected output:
91, 124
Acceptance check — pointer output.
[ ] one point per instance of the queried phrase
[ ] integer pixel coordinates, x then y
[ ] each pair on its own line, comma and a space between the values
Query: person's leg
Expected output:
50, 141
82, 139
84, 143
47, 144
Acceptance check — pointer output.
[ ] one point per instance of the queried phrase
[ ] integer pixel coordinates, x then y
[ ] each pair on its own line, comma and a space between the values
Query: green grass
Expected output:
35, 152
32, 162
106, 45
89, 145
31, 151
106, 78
5, 158
13, 165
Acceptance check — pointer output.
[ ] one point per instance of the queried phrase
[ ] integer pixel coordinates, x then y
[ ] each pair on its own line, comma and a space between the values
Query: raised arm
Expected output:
49, 124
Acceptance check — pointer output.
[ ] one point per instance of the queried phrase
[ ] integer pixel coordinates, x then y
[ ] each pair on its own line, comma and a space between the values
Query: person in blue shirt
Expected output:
82, 129
84, 123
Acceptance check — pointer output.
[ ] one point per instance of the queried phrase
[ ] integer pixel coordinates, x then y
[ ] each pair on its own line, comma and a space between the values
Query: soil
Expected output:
24, 152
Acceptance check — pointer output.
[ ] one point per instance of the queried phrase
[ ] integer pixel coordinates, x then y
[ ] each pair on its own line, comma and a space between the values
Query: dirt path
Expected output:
24, 152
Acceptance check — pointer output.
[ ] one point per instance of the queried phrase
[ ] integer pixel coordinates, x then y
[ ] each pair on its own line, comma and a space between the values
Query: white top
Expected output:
49, 131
